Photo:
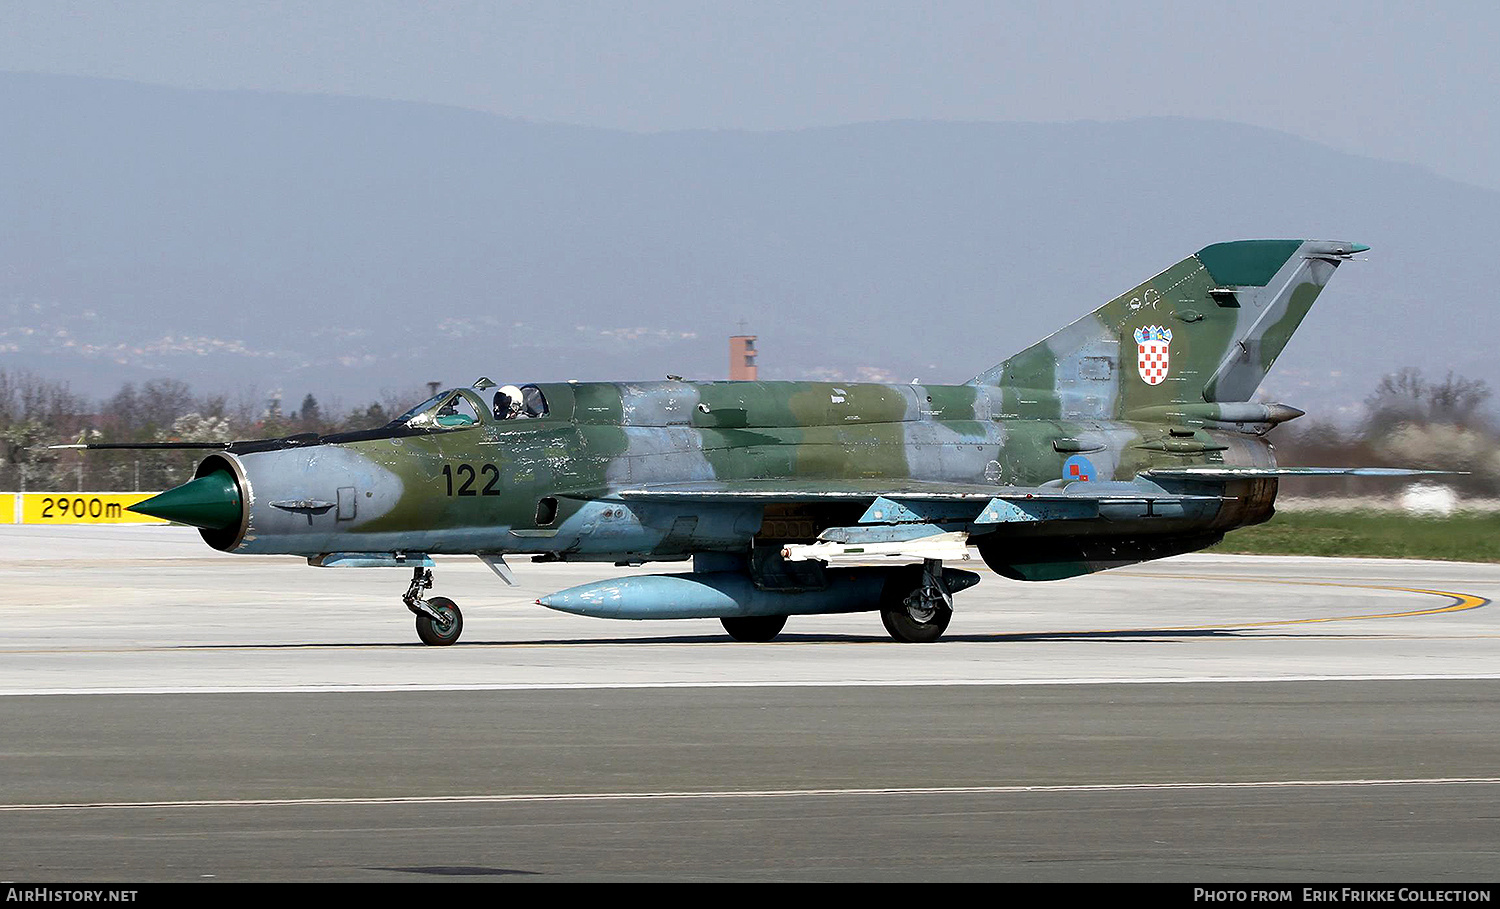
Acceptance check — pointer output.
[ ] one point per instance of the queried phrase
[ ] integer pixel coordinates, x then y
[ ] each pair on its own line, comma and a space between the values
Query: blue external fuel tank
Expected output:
733, 594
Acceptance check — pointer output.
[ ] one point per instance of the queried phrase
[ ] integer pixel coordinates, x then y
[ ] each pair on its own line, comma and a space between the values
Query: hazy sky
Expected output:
1395, 80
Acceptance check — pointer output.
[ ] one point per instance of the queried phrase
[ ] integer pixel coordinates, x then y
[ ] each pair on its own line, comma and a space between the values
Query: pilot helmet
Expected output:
514, 394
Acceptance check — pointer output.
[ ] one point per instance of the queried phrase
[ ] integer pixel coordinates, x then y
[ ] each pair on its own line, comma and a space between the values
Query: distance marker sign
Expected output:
84, 508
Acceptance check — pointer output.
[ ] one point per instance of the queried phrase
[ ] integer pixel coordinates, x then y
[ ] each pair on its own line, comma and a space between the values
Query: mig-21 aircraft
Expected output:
1128, 435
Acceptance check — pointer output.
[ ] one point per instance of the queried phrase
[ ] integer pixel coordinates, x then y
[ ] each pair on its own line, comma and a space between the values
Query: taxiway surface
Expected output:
172, 713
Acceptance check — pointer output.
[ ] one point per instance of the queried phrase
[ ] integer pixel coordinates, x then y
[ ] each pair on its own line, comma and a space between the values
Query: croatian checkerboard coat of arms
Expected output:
1153, 353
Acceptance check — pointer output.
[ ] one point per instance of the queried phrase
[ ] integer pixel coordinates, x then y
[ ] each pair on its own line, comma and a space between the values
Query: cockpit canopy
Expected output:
519, 402
460, 408
455, 408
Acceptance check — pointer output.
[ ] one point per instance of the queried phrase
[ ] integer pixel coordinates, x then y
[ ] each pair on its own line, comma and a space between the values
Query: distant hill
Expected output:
342, 245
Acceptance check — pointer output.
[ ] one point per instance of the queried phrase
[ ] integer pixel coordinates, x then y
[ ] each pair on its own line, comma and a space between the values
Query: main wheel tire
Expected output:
914, 626
440, 634
754, 629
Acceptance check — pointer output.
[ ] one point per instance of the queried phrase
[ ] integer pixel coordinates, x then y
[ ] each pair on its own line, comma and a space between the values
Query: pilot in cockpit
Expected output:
508, 402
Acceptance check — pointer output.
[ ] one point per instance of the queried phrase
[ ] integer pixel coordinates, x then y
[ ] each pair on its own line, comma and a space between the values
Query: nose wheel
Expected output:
439, 621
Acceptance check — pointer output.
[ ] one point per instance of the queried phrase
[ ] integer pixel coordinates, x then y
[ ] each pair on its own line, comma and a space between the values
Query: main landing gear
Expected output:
754, 629
922, 614
439, 623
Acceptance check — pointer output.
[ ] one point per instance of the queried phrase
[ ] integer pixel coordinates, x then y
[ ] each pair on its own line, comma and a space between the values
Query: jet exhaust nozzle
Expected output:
209, 502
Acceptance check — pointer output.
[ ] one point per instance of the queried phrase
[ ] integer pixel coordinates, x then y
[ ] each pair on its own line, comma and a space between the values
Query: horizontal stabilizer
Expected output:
1257, 473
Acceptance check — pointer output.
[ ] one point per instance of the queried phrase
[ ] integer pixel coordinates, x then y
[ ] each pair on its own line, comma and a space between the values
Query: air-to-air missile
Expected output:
1128, 435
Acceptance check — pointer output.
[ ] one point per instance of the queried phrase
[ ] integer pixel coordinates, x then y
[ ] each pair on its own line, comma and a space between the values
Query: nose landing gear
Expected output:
439, 622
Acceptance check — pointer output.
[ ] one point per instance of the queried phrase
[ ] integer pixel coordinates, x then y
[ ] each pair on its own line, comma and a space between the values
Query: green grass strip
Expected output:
1465, 537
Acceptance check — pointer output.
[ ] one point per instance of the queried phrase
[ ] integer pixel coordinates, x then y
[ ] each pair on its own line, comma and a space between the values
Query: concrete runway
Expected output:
170, 713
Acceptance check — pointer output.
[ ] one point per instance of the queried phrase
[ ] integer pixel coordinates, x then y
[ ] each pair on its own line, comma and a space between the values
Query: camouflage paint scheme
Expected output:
648, 471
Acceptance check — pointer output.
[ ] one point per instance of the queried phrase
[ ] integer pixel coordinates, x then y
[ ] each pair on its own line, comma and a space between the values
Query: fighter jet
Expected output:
1129, 435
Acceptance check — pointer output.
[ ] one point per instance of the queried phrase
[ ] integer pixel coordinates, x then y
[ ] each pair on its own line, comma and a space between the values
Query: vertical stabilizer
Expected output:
1208, 329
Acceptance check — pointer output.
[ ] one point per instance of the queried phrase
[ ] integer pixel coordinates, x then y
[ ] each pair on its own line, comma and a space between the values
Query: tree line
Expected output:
36, 412
1409, 421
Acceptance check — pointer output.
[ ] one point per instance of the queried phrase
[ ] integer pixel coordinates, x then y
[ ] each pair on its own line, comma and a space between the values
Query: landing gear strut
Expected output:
923, 613
439, 623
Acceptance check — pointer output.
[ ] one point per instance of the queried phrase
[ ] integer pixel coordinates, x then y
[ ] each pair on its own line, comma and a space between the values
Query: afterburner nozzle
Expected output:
211, 502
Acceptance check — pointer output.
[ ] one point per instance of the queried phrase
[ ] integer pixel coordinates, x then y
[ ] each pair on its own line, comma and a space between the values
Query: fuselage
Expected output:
542, 484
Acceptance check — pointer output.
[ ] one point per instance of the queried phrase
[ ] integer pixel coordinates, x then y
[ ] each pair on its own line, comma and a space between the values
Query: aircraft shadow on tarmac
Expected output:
1137, 635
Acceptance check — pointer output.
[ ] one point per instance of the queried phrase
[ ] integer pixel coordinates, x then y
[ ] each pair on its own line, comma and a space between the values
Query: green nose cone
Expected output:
211, 502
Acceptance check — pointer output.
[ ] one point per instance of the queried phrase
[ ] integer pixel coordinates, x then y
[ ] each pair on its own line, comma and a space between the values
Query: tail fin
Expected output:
1207, 329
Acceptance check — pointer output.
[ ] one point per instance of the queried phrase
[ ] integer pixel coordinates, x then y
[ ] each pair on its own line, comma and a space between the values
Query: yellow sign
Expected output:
7, 508
84, 508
